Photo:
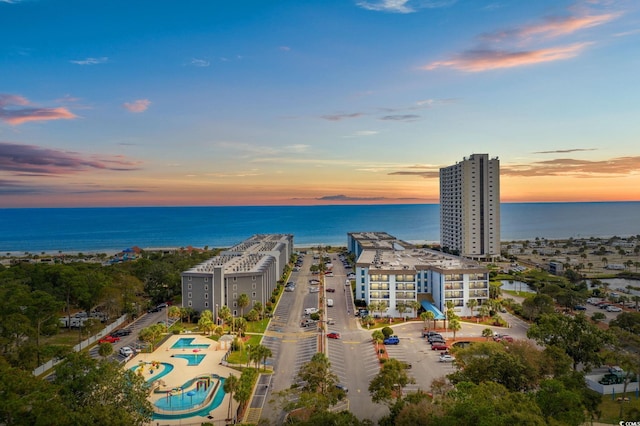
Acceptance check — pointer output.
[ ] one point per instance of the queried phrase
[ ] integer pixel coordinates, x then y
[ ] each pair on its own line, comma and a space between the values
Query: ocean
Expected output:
109, 229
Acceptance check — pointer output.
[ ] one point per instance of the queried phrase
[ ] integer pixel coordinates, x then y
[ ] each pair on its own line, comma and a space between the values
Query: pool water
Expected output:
187, 343
184, 402
158, 372
193, 359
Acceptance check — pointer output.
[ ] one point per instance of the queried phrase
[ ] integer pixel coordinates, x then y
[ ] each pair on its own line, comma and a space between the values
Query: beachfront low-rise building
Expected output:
394, 273
251, 267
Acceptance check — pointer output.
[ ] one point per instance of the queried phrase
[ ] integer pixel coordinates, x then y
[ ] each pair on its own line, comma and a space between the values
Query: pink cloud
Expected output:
484, 60
139, 105
15, 110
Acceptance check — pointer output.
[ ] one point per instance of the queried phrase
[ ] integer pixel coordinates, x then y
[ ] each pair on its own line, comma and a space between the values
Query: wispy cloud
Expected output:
363, 133
484, 60
137, 106
90, 61
520, 46
400, 117
613, 167
15, 110
341, 197
403, 6
339, 117
284, 48
196, 62
565, 151
30, 159
551, 27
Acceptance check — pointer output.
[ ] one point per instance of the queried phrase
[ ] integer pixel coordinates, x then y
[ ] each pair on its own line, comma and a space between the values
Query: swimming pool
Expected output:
193, 359
157, 372
187, 343
183, 401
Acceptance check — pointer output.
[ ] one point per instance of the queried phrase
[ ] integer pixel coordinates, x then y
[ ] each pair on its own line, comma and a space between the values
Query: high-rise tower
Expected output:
470, 207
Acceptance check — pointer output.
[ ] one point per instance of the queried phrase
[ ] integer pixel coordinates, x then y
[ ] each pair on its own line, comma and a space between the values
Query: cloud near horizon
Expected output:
338, 117
34, 160
137, 106
613, 167
16, 110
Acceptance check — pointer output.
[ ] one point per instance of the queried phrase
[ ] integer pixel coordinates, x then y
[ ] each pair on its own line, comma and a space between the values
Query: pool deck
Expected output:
181, 373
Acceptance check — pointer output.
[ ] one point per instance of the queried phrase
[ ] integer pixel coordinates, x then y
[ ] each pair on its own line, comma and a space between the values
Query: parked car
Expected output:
579, 308
439, 346
331, 290
156, 309
126, 351
307, 322
121, 332
446, 358
342, 387
109, 339
435, 338
612, 308
333, 335
331, 321
429, 333
502, 338
391, 340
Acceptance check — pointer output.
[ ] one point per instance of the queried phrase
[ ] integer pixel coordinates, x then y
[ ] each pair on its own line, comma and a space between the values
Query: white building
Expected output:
470, 207
391, 271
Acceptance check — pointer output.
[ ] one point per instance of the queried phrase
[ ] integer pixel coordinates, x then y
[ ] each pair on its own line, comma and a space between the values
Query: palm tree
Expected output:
175, 312
377, 337
264, 353
415, 305
231, 384
225, 313
484, 311
455, 325
427, 316
401, 307
243, 302
471, 304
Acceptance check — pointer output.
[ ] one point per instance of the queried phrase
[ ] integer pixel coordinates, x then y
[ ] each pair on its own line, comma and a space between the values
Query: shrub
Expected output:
387, 331
381, 351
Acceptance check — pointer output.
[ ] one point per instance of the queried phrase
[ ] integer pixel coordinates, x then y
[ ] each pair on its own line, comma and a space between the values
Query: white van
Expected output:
309, 311
329, 302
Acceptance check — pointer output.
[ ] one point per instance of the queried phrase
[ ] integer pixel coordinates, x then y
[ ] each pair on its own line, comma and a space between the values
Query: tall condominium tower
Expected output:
470, 207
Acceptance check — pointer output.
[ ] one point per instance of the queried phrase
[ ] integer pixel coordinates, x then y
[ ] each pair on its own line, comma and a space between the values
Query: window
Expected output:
206, 288
235, 305
206, 304
253, 294
189, 295
206, 279
235, 295
189, 277
235, 286
235, 313
206, 295
189, 303
253, 285
253, 278
235, 279
189, 286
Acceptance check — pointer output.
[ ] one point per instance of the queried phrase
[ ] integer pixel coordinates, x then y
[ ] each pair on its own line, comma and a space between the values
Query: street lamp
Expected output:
216, 315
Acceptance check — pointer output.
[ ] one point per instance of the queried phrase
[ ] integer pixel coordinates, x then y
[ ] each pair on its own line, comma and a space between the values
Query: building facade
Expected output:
251, 267
393, 274
470, 207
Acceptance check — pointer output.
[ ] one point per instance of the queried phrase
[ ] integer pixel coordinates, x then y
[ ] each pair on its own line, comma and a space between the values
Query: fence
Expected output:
80, 346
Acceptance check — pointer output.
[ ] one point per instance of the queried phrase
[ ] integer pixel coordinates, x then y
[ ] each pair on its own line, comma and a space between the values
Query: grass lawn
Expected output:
610, 408
257, 326
241, 357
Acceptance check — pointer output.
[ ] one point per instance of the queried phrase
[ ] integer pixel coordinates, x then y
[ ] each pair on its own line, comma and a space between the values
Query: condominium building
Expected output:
393, 274
251, 267
470, 207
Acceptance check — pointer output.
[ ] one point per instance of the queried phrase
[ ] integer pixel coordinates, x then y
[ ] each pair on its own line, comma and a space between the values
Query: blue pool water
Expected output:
187, 343
184, 402
159, 372
193, 359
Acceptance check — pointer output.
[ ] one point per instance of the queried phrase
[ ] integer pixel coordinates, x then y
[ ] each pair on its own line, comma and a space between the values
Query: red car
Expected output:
333, 335
503, 338
331, 290
109, 339
439, 347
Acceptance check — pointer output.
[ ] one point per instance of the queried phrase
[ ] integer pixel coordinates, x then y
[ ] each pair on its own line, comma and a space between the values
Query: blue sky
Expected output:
314, 102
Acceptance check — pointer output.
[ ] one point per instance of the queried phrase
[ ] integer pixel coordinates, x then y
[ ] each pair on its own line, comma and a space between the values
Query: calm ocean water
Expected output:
109, 229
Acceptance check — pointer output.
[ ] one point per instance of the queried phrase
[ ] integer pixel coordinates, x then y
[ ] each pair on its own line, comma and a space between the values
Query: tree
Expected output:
377, 337
488, 333
484, 311
533, 307
562, 405
387, 331
105, 349
401, 307
243, 302
225, 314
578, 337
101, 392
245, 386
205, 322
415, 305
455, 325
174, 312
427, 316
231, 384
472, 304
387, 385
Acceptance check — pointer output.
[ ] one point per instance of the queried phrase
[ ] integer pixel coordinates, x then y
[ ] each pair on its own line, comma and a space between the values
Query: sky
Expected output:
292, 102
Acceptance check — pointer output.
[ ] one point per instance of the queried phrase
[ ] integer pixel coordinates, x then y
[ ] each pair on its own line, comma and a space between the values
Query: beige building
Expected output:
470, 207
